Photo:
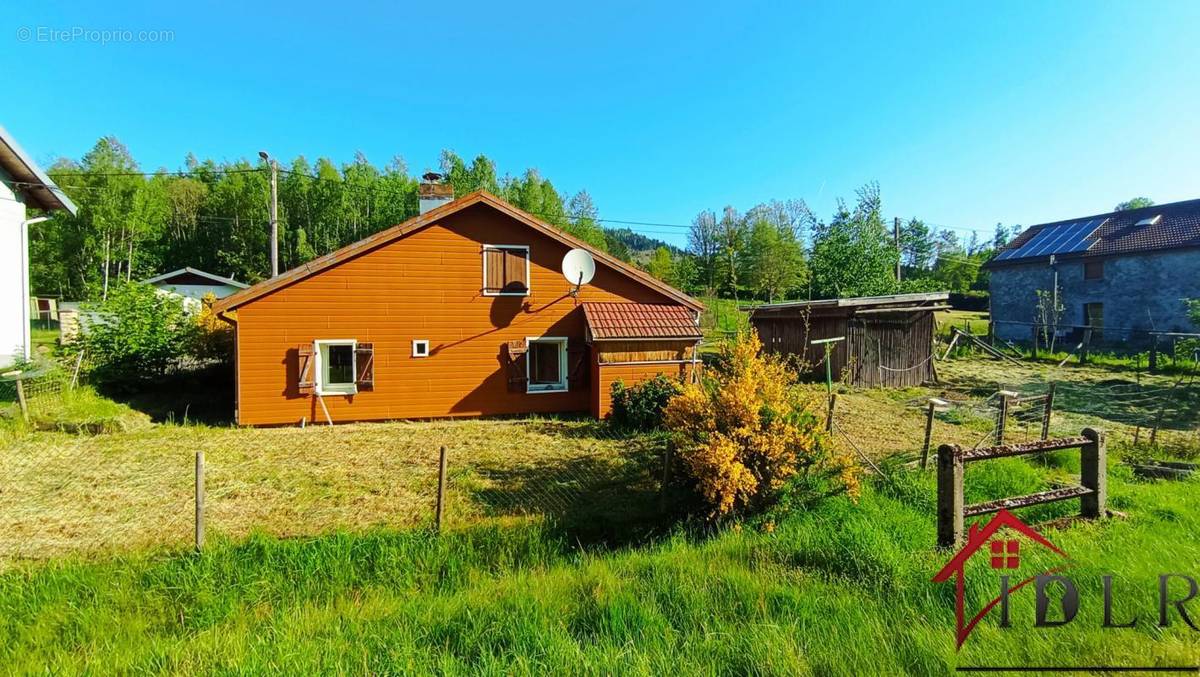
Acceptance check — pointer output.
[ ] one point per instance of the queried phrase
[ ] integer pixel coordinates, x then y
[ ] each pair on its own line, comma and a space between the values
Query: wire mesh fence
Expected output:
64, 495
68, 494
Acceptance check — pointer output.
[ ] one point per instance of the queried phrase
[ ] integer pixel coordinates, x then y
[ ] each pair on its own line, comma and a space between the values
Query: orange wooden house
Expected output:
461, 311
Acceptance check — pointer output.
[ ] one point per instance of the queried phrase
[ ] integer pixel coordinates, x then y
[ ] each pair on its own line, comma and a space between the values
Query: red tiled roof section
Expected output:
640, 321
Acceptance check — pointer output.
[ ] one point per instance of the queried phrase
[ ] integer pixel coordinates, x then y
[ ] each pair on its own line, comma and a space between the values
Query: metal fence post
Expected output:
1093, 474
928, 435
829, 416
950, 495
441, 492
1049, 408
199, 500
1157, 423
1001, 418
666, 476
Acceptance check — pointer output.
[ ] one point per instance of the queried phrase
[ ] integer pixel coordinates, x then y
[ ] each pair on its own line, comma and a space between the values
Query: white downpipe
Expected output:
26, 337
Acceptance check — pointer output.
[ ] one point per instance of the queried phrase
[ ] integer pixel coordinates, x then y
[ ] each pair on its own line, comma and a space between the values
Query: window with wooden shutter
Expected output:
335, 366
304, 369
546, 364
505, 270
364, 357
514, 357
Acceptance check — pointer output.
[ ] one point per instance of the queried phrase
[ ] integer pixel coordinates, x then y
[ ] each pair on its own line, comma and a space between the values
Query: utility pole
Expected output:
274, 207
899, 251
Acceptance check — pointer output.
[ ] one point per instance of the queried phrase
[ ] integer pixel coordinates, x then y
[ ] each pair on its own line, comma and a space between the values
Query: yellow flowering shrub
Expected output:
746, 432
214, 336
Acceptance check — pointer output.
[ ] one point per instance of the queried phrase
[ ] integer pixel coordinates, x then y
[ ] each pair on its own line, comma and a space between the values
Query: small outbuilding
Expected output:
193, 285
888, 340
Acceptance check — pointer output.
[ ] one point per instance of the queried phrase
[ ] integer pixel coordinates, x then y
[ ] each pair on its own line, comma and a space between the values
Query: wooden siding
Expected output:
644, 351
902, 343
426, 285
629, 374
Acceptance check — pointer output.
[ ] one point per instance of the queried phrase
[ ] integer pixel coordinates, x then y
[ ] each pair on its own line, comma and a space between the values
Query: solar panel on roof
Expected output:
1060, 239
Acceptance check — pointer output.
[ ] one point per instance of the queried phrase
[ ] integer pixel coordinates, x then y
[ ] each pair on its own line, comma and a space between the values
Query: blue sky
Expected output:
966, 113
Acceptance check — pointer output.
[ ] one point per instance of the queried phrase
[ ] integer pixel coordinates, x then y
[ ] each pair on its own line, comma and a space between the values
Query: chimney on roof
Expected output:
433, 192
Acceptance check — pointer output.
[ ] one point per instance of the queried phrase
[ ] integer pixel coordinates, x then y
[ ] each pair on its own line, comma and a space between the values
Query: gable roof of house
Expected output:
640, 321
29, 177
188, 271
1118, 233
429, 218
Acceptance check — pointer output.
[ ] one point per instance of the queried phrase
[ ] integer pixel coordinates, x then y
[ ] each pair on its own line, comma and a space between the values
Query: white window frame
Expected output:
320, 346
563, 385
493, 247
420, 343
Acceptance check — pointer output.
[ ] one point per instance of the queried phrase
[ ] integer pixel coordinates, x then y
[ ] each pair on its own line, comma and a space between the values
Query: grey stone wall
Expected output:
1140, 292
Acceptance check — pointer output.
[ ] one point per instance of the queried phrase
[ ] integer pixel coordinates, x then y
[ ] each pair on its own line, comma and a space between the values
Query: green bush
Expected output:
641, 406
137, 334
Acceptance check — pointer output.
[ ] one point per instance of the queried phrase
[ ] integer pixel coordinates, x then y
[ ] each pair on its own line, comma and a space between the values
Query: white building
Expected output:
193, 285
23, 185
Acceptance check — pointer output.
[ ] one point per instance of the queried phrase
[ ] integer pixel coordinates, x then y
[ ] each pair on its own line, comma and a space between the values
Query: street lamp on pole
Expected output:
274, 210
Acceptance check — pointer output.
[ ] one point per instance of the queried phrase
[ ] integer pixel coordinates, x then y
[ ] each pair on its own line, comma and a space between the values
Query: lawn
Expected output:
559, 554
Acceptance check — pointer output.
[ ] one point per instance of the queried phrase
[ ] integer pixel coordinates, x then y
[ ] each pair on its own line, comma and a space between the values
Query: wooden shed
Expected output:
888, 339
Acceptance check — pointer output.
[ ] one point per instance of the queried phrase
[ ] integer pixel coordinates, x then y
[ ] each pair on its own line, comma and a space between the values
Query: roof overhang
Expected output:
32, 182
921, 301
431, 217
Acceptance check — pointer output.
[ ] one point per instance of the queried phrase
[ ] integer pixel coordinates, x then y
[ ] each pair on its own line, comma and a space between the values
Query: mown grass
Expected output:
843, 588
63, 493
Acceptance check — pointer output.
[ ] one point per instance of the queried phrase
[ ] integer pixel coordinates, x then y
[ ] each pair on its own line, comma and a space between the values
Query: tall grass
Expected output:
843, 588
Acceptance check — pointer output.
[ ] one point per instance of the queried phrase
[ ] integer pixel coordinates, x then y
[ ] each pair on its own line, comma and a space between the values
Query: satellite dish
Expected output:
578, 267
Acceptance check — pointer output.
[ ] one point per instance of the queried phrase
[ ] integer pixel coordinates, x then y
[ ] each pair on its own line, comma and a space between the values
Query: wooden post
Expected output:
1153, 367
1093, 474
1087, 344
928, 435
829, 416
1036, 331
199, 501
21, 399
1049, 409
441, 492
950, 495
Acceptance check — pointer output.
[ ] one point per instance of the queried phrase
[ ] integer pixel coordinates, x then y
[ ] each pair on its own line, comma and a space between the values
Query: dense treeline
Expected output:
214, 216
781, 250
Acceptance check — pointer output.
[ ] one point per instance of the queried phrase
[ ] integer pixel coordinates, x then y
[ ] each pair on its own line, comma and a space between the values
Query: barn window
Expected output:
546, 365
336, 367
505, 270
1093, 270
420, 348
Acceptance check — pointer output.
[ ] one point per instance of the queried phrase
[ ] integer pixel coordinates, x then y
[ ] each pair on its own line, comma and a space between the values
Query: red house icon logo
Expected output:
1005, 556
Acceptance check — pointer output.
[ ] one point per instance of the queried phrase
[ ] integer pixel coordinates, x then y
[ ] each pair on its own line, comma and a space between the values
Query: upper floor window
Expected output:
1093, 270
505, 270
